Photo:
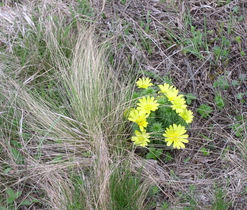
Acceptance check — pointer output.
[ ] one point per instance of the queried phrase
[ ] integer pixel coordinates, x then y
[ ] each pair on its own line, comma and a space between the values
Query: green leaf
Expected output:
155, 190
154, 153
168, 157
221, 83
242, 53
18, 157
235, 83
157, 127
26, 203
205, 151
6, 171
187, 159
18, 194
237, 128
10, 200
219, 102
235, 9
205, 137
240, 95
10, 192
15, 144
150, 156
189, 97
37, 201
158, 152
243, 77
204, 110
238, 39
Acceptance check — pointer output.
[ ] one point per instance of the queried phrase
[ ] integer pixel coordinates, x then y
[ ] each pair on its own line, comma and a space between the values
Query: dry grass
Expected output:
87, 116
90, 120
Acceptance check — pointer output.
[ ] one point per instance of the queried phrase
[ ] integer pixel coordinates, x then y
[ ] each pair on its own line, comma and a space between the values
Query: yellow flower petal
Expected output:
178, 104
139, 117
165, 88
144, 83
172, 94
187, 115
141, 138
175, 135
147, 104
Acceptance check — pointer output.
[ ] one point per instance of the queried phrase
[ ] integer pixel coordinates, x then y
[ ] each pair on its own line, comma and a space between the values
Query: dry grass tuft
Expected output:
89, 121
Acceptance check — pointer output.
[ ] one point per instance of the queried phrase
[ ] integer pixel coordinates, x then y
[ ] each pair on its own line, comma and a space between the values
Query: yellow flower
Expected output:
147, 104
175, 135
139, 117
178, 104
187, 115
172, 94
140, 138
165, 88
144, 83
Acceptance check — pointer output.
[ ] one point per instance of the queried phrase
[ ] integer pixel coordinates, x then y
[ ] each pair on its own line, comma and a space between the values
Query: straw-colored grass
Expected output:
85, 117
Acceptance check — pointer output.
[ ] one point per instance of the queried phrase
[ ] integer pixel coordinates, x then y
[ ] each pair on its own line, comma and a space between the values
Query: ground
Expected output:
199, 46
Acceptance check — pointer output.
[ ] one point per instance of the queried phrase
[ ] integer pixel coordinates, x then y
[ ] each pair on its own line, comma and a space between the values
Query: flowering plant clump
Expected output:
160, 115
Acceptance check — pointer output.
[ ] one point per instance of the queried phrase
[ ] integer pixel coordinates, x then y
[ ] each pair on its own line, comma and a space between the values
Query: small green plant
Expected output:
154, 193
239, 41
198, 40
12, 195
83, 8
123, 2
235, 9
17, 156
156, 110
219, 101
146, 43
242, 77
239, 126
146, 24
235, 83
189, 97
196, 43
154, 153
126, 188
168, 156
78, 200
188, 198
221, 3
222, 52
204, 110
242, 53
154, 190
205, 151
12, 200
220, 201
221, 83
240, 97
164, 206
